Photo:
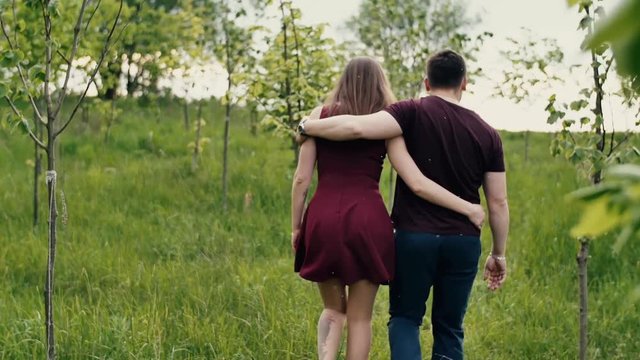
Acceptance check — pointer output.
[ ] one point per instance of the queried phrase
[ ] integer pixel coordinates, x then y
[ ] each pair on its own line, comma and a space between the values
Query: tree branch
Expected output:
624, 139
297, 45
103, 55
63, 57
19, 114
15, 23
606, 72
93, 13
74, 50
46, 18
21, 74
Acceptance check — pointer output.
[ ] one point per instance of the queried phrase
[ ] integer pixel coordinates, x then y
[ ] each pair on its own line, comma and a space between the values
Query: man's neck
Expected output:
448, 95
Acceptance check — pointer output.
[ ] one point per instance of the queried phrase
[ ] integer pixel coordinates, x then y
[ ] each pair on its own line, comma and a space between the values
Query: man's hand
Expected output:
495, 272
476, 215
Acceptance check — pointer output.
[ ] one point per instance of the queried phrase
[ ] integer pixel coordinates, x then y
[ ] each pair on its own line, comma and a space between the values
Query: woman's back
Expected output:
347, 232
352, 165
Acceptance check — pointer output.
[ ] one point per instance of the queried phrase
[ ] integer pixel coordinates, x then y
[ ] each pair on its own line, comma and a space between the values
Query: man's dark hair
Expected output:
446, 69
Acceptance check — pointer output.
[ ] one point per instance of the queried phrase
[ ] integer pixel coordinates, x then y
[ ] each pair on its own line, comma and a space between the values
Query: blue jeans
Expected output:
446, 263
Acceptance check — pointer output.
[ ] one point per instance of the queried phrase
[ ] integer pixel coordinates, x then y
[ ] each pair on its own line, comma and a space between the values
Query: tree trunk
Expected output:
227, 118
287, 82
110, 122
526, 146
196, 148
37, 169
185, 114
51, 178
225, 155
582, 259
111, 77
295, 147
254, 122
85, 114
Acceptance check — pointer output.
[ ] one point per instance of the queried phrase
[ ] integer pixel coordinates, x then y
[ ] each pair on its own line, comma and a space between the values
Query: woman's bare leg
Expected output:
332, 319
362, 295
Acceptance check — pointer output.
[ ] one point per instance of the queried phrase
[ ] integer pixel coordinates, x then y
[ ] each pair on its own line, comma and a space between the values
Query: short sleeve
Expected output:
404, 112
495, 161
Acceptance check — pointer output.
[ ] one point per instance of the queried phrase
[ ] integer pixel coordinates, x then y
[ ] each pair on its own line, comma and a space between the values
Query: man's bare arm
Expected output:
380, 125
495, 190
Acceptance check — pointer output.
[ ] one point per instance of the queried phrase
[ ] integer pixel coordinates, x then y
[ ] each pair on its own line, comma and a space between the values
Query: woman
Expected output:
346, 237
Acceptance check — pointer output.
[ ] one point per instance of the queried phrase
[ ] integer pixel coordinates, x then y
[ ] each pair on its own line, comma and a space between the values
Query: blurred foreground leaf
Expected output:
614, 204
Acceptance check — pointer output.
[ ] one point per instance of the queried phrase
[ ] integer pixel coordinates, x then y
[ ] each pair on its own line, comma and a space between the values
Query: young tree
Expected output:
599, 146
40, 72
533, 70
37, 170
155, 29
199, 141
404, 32
233, 47
616, 200
295, 74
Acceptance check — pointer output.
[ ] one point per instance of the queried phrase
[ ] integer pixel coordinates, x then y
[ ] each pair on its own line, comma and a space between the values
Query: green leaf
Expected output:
4, 91
24, 125
593, 192
597, 219
619, 26
586, 92
585, 22
22, 25
37, 72
625, 171
578, 105
635, 295
599, 121
8, 58
624, 236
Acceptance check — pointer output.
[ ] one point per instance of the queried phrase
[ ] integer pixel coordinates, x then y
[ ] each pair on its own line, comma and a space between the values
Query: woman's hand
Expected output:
294, 237
476, 215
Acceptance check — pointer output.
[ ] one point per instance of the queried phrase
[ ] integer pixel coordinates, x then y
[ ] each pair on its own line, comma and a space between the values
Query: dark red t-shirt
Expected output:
452, 146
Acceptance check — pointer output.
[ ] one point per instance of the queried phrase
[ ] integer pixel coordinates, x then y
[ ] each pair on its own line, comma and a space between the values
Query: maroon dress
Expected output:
346, 231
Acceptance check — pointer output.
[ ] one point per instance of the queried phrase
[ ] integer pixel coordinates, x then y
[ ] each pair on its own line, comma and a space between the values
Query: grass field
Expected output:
149, 267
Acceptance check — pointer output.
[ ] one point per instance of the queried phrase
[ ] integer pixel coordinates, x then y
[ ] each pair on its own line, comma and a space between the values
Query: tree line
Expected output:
124, 48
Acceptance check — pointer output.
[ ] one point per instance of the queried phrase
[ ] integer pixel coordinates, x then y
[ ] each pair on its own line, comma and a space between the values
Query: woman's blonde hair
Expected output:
362, 89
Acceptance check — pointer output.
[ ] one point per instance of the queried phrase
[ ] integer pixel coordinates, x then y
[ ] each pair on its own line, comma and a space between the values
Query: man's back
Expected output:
452, 146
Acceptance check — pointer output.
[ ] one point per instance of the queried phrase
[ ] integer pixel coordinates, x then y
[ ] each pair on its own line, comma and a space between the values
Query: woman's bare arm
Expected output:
302, 179
427, 188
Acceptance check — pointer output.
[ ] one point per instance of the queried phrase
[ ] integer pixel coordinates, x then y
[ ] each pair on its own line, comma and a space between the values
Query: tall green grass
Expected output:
149, 267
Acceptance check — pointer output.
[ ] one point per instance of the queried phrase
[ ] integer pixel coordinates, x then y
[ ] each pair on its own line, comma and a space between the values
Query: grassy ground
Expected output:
150, 268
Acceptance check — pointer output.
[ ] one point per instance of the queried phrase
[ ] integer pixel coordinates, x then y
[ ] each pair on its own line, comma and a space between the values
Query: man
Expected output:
436, 248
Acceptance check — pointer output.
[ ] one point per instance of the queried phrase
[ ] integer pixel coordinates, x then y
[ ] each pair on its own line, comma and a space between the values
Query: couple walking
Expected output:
346, 242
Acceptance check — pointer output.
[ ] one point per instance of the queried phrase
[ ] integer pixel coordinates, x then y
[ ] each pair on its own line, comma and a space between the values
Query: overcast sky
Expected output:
545, 18
505, 18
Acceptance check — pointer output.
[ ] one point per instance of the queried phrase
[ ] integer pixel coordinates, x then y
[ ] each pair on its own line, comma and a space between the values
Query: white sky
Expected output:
504, 18
545, 18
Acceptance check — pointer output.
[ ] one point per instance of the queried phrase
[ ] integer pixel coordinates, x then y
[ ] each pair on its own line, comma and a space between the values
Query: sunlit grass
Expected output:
149, 266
